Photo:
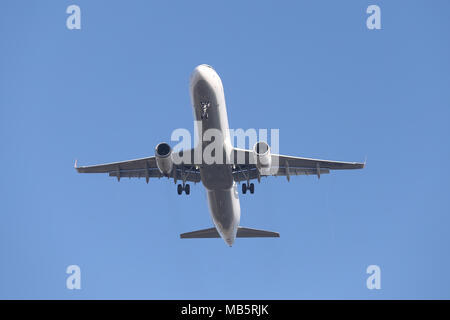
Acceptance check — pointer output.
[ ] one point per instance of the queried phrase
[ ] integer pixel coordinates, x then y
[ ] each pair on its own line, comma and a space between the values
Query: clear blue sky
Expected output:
336, 90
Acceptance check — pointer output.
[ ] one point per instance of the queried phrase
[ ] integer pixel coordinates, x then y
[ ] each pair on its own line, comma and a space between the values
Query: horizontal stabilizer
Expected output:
205, 233
255, 233
241, 233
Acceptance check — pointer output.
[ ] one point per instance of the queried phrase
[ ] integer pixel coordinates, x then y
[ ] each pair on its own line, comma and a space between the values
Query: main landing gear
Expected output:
184, 187
246, 187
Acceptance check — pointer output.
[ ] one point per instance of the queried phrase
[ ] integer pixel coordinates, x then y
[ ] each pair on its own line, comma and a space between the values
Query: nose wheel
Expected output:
186, 188
250, 187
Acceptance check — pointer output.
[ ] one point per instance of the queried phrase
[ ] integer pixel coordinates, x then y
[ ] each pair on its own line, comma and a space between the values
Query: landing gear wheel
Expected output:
180, 189
252, 188
187, 189
244, 188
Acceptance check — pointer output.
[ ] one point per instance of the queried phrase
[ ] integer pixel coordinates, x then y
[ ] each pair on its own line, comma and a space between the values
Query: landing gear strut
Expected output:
185, 186
248, 185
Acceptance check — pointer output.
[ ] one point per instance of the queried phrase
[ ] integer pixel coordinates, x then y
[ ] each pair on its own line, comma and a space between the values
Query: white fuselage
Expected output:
206, 89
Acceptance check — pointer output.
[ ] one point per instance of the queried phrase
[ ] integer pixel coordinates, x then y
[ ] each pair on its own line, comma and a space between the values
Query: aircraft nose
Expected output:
204, 65
200, 72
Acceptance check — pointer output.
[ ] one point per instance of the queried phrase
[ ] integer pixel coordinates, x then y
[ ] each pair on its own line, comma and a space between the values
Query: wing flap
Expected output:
191, 175
283, 171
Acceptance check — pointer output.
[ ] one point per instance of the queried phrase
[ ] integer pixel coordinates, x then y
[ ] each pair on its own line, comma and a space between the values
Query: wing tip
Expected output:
365, 162
76, 167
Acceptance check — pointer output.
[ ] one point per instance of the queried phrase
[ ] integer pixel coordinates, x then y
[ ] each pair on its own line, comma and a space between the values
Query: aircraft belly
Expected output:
225, 211
216, 176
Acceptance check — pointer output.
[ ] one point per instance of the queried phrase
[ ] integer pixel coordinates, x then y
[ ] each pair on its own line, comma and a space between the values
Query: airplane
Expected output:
220, 178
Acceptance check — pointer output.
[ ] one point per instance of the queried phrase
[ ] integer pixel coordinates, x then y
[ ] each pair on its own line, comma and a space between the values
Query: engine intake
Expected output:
163, 154
261, 150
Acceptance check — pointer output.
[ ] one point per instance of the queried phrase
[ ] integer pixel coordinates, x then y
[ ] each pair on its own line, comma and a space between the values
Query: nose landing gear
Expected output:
204, 109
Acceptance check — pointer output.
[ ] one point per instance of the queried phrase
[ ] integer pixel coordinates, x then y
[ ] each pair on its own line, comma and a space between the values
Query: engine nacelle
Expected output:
163, 154
263, 158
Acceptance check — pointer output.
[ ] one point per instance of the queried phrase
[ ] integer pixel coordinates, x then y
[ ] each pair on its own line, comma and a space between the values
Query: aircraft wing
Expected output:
142, 168
286, 166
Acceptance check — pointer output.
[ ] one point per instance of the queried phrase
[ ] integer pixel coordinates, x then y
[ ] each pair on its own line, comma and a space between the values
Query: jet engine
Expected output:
163, 154
261, 151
